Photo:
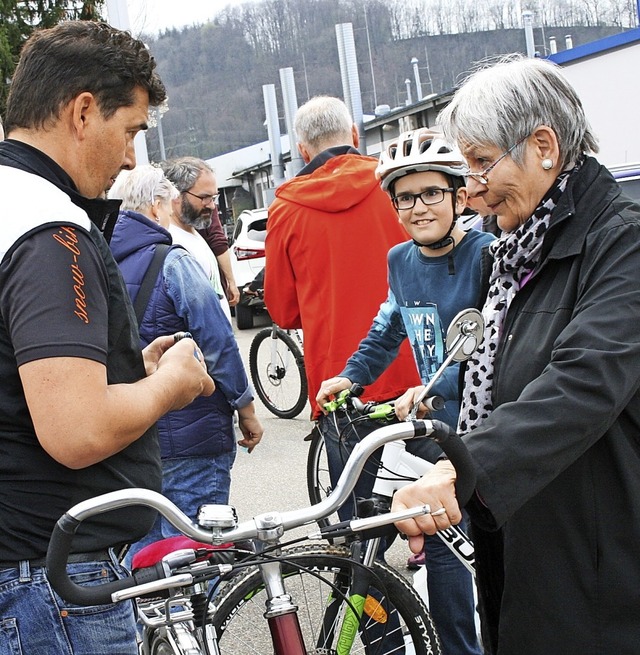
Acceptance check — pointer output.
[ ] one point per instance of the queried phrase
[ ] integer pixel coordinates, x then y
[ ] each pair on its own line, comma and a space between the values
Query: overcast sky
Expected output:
150, 16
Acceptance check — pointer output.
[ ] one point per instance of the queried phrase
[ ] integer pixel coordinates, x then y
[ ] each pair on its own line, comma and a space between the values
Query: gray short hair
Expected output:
185, 171
141, 187
503, 102
322, 122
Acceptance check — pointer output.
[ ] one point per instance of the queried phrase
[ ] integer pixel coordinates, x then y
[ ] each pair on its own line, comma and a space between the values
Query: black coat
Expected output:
558, 461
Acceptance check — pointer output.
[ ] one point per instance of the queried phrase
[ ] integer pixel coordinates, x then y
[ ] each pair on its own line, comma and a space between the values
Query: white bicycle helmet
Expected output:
416, 151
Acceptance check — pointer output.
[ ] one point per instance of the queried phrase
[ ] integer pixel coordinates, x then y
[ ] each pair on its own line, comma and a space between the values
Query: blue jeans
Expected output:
34, 620
189, 482
451, 603
450, 585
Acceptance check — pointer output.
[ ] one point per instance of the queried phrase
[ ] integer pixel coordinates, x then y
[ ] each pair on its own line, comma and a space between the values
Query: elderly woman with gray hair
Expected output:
551, 403
197, 443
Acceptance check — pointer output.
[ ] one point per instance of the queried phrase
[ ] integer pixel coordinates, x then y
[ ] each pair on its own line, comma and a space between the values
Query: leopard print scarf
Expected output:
515, 255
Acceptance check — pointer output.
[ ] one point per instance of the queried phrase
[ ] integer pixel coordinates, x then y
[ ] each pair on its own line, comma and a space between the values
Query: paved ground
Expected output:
272, 477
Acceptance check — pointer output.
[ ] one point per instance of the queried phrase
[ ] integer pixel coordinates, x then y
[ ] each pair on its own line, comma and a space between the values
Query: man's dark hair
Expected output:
60, 63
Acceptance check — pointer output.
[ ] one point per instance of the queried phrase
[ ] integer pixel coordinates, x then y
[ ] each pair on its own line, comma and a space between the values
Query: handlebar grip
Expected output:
454, 448
57, 555
434, 403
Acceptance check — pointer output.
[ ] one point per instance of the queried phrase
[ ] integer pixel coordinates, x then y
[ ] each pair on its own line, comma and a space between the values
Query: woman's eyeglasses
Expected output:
482, 175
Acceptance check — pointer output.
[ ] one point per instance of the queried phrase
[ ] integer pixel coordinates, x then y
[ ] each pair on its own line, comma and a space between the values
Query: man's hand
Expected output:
233, 293
248, 291
250, 427
154, 351
436, 489
184, 361
330, 388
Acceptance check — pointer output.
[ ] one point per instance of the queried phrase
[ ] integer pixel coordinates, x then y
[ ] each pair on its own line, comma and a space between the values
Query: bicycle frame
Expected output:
464, 335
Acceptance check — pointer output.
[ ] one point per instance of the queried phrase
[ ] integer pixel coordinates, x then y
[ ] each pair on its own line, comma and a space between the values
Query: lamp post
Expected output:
155, 120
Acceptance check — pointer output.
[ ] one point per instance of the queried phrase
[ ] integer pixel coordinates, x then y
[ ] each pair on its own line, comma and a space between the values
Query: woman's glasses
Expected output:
482, 175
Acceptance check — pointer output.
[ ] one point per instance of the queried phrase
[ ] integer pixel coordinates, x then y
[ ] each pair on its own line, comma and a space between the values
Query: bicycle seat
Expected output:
153, 553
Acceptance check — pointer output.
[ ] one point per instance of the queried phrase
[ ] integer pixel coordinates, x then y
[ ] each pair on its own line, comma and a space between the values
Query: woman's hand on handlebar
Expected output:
405, 403
436, 489
329, 388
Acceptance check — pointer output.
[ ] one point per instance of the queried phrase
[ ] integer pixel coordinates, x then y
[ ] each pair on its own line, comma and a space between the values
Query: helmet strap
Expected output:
446, 240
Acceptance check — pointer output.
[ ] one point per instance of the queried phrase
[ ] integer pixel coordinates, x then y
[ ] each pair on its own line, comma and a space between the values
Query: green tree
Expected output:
19, 18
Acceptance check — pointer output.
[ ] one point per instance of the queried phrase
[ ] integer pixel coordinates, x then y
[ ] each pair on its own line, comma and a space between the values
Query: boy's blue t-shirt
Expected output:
423, 299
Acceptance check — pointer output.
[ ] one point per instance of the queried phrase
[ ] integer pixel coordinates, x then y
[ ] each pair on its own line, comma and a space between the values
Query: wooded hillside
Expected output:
214, 73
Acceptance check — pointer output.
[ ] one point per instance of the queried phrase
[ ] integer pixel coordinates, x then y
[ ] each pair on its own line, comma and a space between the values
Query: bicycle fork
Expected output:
279, 366
367, 613
358, 597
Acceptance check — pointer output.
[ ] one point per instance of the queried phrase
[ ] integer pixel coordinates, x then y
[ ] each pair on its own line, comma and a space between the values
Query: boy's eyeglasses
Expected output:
431, 196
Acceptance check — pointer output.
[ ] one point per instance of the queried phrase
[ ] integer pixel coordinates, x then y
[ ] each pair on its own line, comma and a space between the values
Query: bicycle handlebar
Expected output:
371, 409
278, 523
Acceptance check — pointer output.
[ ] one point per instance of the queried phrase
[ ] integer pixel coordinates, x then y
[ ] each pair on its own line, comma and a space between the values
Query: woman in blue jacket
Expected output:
198, 442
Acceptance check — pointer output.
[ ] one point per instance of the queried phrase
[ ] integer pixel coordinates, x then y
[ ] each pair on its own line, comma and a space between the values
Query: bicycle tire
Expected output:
242, 630
318, 479
281, 386
318, 482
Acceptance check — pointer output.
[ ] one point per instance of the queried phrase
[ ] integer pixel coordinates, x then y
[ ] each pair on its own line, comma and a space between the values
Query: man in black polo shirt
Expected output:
78, 400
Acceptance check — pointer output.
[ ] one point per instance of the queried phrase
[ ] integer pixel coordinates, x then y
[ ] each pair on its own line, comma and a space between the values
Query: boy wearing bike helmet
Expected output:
431, 278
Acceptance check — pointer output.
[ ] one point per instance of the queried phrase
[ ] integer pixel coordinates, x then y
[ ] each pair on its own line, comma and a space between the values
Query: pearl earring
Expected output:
547, 164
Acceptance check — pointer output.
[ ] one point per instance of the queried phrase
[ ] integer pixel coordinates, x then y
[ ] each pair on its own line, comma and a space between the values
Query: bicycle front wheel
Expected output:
318, 478
277, 371
395, 619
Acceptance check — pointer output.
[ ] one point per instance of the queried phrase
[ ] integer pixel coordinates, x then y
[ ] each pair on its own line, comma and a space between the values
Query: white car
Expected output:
247, 260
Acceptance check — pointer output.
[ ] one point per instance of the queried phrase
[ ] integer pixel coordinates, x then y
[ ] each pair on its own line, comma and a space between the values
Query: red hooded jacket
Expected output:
328, 235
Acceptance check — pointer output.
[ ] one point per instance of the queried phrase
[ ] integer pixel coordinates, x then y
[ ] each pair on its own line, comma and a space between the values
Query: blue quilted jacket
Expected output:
183, 299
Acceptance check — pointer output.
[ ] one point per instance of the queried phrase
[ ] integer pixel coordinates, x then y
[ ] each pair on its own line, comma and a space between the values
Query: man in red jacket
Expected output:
328, 234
